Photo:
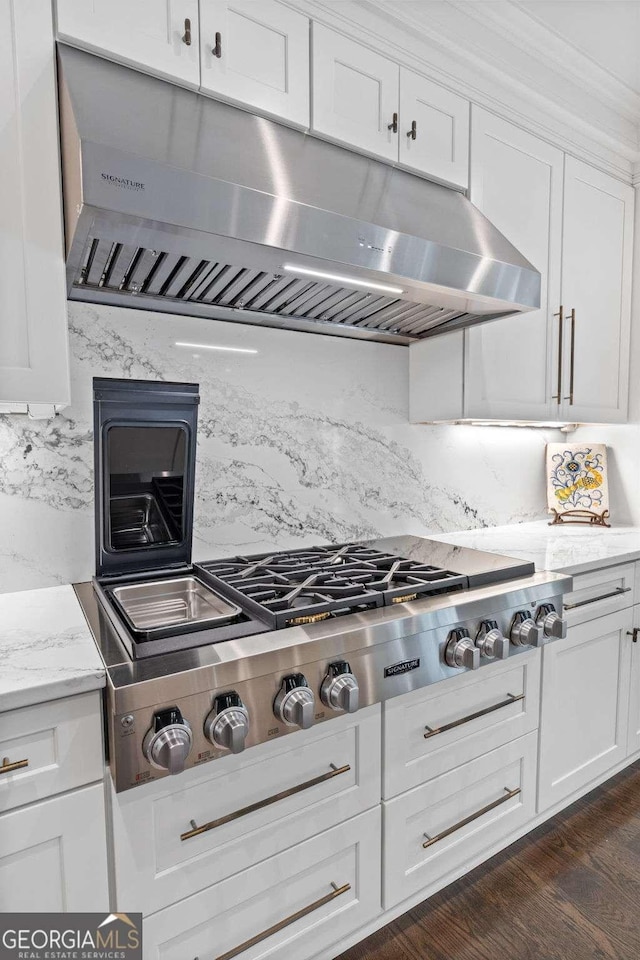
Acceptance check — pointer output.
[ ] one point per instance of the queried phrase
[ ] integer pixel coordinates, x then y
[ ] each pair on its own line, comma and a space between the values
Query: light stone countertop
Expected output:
571, 549
46, 648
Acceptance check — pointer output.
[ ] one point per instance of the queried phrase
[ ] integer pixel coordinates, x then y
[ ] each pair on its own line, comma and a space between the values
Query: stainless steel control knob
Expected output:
461, 651
167, 743
525, 632
491, 642
295, 703
552, 624
227, 726
340, 690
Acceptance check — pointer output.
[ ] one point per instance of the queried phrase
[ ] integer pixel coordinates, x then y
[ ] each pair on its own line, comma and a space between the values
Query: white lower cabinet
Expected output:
292, 905
433, 730
53, 854
251, 806
445, 825
633, 744
585, 705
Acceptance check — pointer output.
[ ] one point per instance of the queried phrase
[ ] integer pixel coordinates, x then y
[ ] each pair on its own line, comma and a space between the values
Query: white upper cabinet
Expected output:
256, 54
434, 130
596, 294
355, 94
367, 101
569, 360
161, 37
516, 181
33, 319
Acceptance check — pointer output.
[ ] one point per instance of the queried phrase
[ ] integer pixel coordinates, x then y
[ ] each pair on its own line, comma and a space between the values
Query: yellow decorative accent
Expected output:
590, 482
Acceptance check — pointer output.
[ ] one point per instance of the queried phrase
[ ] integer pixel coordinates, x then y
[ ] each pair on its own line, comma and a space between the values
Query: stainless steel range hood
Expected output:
178, 203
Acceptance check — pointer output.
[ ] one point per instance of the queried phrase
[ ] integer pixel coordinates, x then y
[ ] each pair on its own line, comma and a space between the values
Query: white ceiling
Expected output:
606, 31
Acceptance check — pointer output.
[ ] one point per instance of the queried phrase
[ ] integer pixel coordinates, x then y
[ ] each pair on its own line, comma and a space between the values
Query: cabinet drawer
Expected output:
50, 747
329, 884
247, 808
600, 592
428, 732
447, 823
53, 855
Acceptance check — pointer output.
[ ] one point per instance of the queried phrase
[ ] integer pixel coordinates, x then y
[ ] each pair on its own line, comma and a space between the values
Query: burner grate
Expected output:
302, 586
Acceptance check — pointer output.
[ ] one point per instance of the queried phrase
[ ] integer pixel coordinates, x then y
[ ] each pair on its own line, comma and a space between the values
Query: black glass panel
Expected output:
146, 467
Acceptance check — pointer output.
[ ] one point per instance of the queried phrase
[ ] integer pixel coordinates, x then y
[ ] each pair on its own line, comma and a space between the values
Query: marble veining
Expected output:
46, 647
569, 549
305, 440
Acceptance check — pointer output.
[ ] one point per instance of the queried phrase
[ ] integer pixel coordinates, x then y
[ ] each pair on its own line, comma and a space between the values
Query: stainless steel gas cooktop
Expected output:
205, 659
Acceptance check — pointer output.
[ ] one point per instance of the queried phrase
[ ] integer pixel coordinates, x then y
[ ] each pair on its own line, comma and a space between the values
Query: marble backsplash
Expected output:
307, 440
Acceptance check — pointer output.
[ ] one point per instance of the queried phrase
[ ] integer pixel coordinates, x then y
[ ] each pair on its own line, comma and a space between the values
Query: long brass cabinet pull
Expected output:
244, 811
508, 795
393, 126
186, 37
602, 596
217, 49
7, 767
434, 731
572, 364
634, 634
558, 396
413, 133
305, 911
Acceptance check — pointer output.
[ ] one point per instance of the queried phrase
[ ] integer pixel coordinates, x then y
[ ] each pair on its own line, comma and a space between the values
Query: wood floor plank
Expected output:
570, 890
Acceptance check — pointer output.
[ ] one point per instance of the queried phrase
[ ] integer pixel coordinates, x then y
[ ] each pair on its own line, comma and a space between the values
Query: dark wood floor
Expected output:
570, 890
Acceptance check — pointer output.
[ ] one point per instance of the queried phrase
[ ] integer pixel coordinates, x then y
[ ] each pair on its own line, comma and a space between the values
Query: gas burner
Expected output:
302, 586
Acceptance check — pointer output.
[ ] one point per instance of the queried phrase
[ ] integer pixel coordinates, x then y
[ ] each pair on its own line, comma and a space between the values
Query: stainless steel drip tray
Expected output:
152, 608
137, 521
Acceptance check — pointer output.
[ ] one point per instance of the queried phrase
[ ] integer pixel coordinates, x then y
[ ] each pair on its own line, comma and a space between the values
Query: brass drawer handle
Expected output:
509, 794
244, 811
434, 731
217, 49
281, 924
413, 133
7, 767
603, 596
558, 396
186, 37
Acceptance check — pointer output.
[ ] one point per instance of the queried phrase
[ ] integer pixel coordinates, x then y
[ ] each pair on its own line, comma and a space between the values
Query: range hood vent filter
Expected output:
156, 274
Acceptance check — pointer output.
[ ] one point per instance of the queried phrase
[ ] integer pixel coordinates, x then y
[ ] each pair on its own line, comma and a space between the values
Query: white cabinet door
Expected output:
33, 319
161, 38
585, 706
596, 286
355, 94
633, 745
516, 181
53, 855
257, 54
434, 130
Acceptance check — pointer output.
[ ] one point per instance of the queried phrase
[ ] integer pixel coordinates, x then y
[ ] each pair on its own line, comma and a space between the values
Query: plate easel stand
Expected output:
580, 516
